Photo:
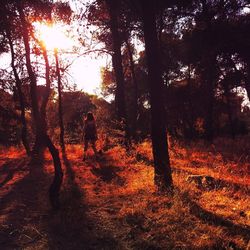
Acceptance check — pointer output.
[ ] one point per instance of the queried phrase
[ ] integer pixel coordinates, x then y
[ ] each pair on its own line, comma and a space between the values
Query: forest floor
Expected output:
112, 203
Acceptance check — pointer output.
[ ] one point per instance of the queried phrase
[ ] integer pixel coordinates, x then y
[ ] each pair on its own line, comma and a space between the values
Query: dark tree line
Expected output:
196, 56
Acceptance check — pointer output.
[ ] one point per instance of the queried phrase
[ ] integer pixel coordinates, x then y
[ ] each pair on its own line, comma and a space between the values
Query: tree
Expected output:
113, 10
42, 138
60, 109
163, 175
135, 88
7, 30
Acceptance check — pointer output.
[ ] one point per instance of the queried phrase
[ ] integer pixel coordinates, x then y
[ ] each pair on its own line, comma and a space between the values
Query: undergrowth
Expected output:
111, 202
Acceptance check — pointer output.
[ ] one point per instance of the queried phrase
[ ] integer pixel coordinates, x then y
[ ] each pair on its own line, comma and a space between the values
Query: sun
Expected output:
53, 36
84, 71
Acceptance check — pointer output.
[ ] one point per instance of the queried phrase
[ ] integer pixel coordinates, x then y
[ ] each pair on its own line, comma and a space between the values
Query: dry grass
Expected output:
112, 203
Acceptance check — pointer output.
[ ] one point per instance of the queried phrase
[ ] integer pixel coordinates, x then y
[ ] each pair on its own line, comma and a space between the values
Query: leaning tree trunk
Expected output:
33, 84
163, 173
24, 133
40, 117
60, 110
117, 65
54, 190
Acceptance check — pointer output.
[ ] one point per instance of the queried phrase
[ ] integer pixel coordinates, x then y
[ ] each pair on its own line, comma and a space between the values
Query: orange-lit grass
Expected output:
149, 219
128, 207
11, 152
10, 158
199, 158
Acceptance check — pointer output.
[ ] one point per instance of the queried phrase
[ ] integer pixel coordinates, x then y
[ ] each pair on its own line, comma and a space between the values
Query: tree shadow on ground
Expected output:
20, 206
214, 219
71, 227
215, 183
9, 169
107, 171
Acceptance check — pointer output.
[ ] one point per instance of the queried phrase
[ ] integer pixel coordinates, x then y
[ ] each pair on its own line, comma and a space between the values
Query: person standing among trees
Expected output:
90, 134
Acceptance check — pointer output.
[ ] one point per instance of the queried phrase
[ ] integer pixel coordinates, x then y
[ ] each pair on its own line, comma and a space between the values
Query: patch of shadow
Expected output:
73, 193
10, 168
224, 245
108, 173
143, 158
136, 220
214, 219
105, 242
208, 183
21, 206
146, 245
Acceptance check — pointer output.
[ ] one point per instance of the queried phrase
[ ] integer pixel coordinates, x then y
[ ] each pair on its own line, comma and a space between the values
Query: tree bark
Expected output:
163, 173
24, 133
135, 84
60, 109
55, 187
247, 85
33, 84
117, 58
229, 111
189, 113
209, 93
47, 92
117, 65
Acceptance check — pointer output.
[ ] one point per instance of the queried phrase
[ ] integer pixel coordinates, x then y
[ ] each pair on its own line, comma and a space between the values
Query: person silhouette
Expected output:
90, 134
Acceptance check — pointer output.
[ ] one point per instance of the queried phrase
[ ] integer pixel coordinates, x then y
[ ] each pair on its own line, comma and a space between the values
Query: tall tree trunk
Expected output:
209, 79
47, 88
24, 134
229, 111
117, 64
135, 84
40, 116
209, 132
117, 58
209, 64
33, 84
60, 110
247, 85
163, 173
190, 113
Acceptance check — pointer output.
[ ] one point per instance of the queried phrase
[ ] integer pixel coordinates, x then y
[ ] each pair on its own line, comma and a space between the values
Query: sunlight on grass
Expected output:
122, 199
